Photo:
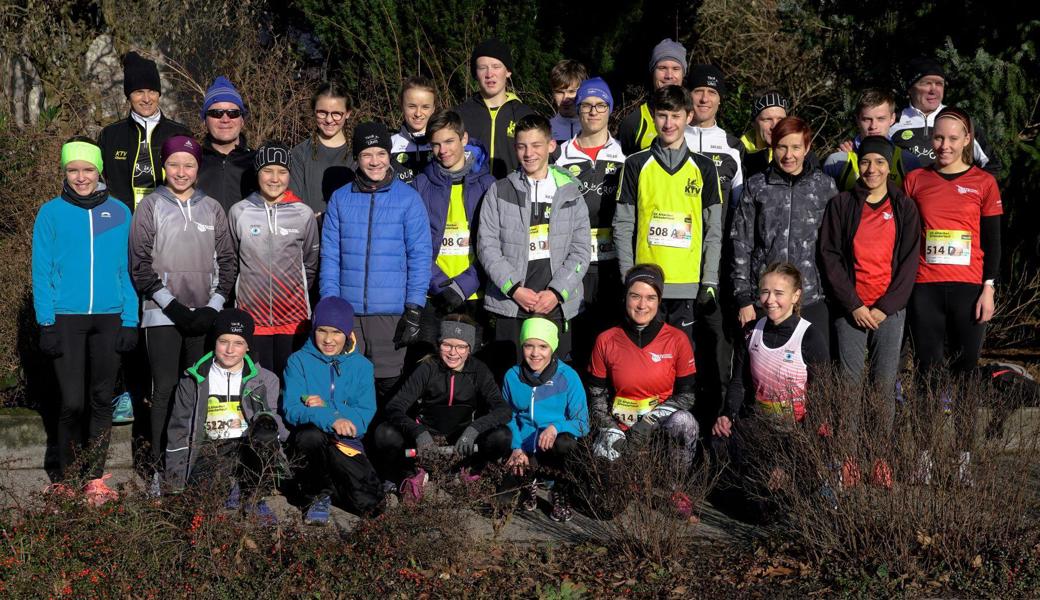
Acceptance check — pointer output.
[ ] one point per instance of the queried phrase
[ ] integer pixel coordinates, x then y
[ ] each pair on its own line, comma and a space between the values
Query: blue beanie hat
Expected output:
595, 88
221, 90
333, 311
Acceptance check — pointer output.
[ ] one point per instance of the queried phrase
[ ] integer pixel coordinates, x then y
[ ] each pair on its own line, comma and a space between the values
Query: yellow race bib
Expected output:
671, 229
627, 411
539, 242
947, 247
224, 420
603, 244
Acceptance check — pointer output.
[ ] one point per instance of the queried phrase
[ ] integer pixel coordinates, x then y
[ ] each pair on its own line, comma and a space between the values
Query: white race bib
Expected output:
603, 244
539, 248
671, 229
455, 241
947, 247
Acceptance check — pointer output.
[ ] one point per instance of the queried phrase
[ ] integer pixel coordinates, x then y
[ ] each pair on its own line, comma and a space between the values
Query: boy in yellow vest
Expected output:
451, 187
875, 115
669, 212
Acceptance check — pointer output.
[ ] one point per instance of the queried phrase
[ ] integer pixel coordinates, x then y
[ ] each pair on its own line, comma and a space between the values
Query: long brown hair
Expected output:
790, 271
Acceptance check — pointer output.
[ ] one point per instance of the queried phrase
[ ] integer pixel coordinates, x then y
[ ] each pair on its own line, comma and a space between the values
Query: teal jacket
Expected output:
345, 382
559, 401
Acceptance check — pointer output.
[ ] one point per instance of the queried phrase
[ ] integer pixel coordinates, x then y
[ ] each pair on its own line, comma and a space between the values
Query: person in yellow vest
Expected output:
668, 65
451, 187
669, 213
875, 115
767, 111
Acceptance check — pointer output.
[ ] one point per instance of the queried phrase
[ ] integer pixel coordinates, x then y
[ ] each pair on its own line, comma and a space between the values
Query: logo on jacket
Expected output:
287, 231
511, 130
886, 215
907, 134
715, 158
105, 214
254, 230
203, 228
659, 357
966, 190
611, 169
788, 356
120, 155
574, 170
402, 158
692, 189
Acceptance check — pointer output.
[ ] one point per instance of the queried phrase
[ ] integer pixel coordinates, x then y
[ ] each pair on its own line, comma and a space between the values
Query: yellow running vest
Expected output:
671, 226
647, 130
850, 174
456, 253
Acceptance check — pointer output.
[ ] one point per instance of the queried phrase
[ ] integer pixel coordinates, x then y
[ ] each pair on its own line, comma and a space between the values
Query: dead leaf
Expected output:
778, 571
976, 563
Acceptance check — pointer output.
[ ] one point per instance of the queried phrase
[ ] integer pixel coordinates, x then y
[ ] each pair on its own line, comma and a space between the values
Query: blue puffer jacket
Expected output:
79, 261
434, 185
375, 248
560, 401
345, 382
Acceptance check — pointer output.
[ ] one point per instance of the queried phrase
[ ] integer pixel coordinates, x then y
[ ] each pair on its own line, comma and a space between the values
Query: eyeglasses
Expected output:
218, 113
588, 109
335, 115
459, 348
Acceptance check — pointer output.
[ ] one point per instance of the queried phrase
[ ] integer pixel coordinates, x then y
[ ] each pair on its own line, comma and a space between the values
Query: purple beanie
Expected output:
333, 311
180, 143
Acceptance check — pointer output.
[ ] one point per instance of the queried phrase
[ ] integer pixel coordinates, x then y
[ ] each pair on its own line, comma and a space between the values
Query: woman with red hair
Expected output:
778, 219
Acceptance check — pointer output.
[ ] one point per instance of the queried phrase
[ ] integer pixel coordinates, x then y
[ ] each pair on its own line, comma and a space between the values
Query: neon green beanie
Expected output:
540, 329
81, 151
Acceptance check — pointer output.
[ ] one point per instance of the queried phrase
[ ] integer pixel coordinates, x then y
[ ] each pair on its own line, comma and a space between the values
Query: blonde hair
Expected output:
956, 114
790, 271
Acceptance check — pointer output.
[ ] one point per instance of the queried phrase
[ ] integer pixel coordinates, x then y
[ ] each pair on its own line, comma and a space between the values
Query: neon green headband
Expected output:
540, 329
81, 151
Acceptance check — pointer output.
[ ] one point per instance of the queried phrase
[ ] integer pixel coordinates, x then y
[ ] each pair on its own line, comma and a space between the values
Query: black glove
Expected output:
640, 432
423, 443
50, 341
126, 340
202, 320
466, 444
706, 298
181, 316
450, 299
408, 327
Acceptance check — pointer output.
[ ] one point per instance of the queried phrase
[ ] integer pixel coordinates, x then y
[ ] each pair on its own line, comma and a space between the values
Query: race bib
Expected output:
539, 242
627, 411
455, 241
603, 244
947, 247
224, 420
671, 229
140, 193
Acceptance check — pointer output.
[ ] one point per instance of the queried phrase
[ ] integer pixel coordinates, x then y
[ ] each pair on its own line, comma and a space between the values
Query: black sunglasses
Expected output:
217, 113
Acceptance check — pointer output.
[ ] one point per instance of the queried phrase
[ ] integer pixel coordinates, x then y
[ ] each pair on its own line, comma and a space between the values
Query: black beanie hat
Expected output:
649, 274
494, 49
235, 321
273, 153
876, 144
922, 66
367, 135
139, 73
706, 76
770, 99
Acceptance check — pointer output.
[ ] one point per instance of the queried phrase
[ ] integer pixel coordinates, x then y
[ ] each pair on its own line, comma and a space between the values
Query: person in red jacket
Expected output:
959, 263
869, 245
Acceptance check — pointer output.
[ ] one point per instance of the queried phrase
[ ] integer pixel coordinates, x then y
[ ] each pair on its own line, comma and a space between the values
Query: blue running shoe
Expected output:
234, 499
318, 513
122, 409
262, 513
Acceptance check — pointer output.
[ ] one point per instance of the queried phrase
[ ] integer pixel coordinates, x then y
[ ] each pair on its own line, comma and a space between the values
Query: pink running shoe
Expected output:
467, 476
97, 491
412, 488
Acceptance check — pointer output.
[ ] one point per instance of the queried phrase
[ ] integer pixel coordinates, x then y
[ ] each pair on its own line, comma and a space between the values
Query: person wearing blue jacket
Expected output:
451, 187
375, 253
85, 305
329, 402
550, 413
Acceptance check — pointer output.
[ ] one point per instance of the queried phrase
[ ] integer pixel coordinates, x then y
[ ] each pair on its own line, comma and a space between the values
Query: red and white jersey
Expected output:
780, 374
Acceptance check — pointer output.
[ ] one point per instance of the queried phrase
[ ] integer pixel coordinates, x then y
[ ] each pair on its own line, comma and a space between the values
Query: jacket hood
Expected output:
476, 161
312, 349
200, 369
560, 176
287, 198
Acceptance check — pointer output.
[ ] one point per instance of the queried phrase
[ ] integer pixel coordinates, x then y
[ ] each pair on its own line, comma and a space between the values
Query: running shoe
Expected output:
529, 497
262, 513
122, 409
468, 476
234, 498
318, 512
412, 488
98, 493
60, 491
561, 507
881, 474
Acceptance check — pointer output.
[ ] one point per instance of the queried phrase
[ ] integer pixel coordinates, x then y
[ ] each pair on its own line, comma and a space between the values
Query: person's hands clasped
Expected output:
526, 298
546, 303
864, 319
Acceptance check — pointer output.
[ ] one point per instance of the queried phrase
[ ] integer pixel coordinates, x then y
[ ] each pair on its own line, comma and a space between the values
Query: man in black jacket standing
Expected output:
226, 173
130, 146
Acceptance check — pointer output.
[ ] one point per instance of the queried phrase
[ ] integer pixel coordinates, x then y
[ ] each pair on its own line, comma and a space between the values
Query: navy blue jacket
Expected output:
434, 185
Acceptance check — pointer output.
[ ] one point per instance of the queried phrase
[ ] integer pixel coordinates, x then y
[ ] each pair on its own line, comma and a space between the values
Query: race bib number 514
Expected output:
947, 247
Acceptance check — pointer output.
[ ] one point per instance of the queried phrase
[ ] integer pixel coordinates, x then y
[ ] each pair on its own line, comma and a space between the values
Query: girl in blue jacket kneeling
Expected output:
329, 401
550, 413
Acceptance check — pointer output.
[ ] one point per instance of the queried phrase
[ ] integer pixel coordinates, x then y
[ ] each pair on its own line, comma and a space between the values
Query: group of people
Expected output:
489, 279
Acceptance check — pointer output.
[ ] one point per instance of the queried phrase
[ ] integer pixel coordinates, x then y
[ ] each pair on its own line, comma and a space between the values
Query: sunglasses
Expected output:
218, 113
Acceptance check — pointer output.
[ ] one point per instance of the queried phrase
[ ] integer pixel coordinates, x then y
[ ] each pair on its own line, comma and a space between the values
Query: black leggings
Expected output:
169, 354
321, 469
273, 351
492, 445
88, 344
251, 460
554, 464
942, 316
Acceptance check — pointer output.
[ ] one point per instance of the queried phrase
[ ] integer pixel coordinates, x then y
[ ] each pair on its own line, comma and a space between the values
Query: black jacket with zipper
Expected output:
119, 142
227, 178
445, 401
